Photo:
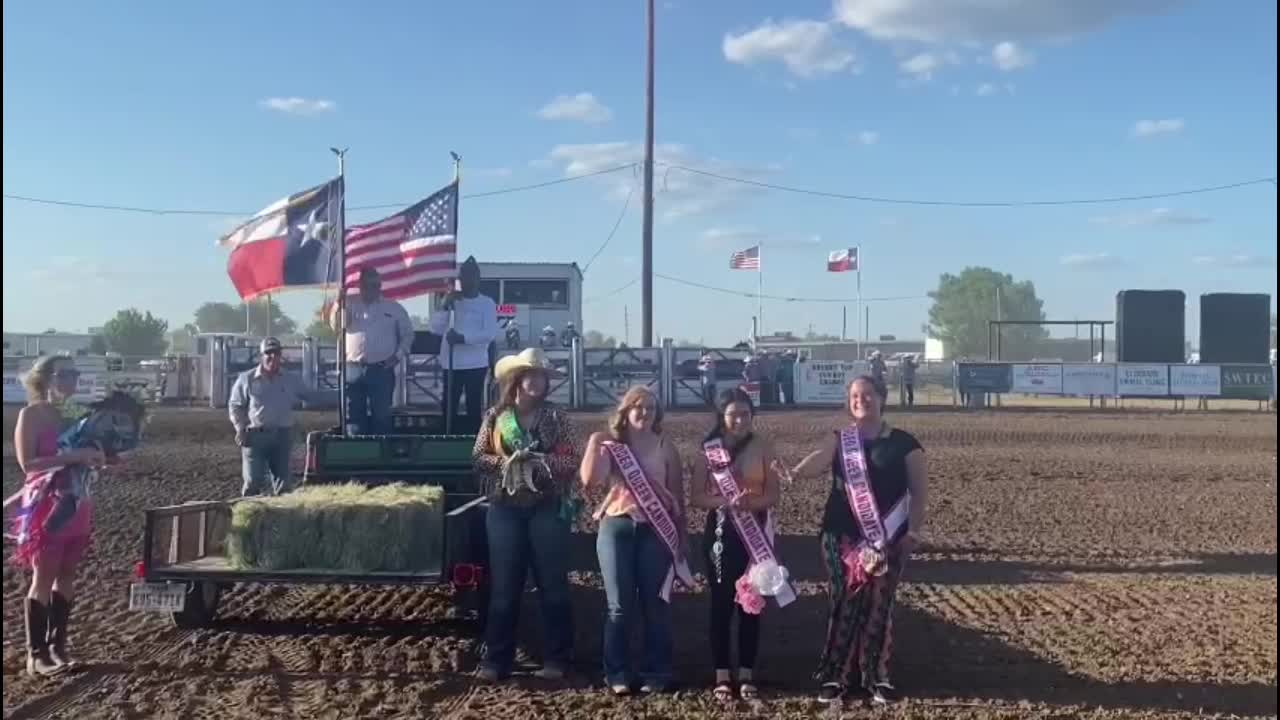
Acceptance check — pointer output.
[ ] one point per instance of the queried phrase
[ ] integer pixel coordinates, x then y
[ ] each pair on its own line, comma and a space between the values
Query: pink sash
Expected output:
758, 540
877, 532
655, 512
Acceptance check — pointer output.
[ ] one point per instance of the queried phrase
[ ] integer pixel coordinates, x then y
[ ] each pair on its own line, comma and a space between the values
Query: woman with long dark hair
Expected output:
871, 524
751, 468
525, 459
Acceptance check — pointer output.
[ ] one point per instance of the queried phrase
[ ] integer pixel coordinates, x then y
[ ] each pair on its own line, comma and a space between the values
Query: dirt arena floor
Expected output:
1076, 565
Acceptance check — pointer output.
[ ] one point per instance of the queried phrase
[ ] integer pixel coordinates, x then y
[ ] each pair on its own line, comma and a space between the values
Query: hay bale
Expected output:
344, 528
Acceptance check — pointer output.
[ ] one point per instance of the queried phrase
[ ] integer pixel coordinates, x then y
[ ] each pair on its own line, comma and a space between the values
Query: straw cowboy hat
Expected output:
528, 359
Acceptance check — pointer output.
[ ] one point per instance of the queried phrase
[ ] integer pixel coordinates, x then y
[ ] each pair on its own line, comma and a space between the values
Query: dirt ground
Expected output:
1077, 565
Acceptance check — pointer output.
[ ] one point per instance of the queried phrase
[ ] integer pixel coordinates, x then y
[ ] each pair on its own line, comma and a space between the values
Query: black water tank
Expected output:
1235, 328
1151, 326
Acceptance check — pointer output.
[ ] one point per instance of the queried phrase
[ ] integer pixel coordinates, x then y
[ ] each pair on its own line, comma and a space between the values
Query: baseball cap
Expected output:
269, 345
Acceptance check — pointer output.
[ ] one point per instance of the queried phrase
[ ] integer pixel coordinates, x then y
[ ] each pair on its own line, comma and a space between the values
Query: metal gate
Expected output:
607, 373
686, 379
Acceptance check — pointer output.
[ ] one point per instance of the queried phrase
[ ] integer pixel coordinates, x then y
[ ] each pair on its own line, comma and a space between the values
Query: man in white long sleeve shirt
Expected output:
379, 334
466, 345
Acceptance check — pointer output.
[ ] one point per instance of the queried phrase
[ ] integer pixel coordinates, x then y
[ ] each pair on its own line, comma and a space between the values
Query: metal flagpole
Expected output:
341, 237
760, 288
449, 378
861, 330
646, 232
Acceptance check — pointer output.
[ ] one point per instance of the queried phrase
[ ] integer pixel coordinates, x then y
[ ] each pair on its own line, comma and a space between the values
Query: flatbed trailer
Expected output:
185, 570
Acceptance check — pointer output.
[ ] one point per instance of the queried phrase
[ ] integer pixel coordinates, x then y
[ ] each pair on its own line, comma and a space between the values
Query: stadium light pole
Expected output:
646, 272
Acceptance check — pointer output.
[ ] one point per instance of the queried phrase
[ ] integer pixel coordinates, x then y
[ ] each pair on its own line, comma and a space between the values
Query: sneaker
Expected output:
487, 674
652, 689
830, 692
620, 690
884, 694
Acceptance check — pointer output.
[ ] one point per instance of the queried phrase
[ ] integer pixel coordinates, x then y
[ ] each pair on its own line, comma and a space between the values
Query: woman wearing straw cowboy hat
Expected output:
525, 459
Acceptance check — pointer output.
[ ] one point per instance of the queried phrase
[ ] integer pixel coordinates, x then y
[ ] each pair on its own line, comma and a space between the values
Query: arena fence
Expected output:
597, 377
977, 383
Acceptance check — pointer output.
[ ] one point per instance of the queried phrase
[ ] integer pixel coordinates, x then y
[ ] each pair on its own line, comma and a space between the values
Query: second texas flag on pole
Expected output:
844, 260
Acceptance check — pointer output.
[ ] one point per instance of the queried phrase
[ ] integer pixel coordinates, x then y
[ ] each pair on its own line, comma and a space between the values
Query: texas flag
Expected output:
843, 260
290, 244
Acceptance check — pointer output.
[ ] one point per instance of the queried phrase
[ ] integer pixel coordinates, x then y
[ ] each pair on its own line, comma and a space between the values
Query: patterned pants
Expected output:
860, 627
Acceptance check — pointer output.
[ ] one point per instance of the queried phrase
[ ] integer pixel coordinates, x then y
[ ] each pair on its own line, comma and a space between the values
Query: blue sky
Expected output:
233, 105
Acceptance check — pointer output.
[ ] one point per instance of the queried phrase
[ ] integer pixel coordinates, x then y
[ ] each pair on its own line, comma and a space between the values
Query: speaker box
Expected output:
1151, 326
1235, 328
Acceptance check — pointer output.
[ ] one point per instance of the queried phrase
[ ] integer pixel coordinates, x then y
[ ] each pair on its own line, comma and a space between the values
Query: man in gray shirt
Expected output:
261, 409
379, 335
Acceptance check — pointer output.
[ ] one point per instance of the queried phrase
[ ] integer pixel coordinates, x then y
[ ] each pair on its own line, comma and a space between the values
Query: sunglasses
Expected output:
271, 352
67, 374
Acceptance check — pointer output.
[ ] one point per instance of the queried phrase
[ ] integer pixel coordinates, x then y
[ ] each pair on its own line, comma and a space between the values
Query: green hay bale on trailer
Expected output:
345, 528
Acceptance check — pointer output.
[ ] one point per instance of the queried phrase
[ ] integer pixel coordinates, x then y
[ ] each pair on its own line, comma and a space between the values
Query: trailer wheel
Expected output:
201, 606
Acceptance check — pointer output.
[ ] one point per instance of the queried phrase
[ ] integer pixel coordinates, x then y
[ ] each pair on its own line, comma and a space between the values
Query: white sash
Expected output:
656, 513
758, 541
877, 532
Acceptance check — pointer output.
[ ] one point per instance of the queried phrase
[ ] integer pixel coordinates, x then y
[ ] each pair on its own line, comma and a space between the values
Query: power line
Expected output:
612, 232
611, 293
784, 298
236, 213
983, 203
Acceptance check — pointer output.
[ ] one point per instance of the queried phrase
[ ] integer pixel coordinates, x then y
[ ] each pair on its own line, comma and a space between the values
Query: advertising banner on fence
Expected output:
824, 382
1142, 380
1246, 382
1195, 380
1039, 379
1089, 379
985, 378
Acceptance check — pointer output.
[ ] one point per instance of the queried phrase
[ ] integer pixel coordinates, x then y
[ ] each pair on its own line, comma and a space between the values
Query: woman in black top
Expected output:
859, 630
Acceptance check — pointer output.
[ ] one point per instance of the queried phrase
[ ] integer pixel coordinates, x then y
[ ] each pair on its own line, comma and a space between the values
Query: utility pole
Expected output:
646, 272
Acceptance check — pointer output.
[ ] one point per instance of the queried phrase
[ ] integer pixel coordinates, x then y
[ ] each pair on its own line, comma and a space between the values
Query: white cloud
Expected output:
987, 89
808, 48
677, 192
1253, 262
867, 137
1090, 261
1009, 56
1151, 128
921, 66
583, 107
1156, 217
940, 21
299, 106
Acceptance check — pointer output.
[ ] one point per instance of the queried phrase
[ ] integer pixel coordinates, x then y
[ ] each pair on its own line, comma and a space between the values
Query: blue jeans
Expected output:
521, 538
266, 453
369, 400
634, 562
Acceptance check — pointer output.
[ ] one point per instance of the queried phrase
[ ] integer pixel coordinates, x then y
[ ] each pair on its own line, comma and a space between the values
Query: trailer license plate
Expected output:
158, 597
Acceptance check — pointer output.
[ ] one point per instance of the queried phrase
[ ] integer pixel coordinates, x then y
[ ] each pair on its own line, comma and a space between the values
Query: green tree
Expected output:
319, 327
597, 339
964, 303
220, 317
131, 332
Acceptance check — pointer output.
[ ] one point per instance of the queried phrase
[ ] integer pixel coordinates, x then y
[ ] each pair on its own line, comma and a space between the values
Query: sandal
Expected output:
749, 691
723, 692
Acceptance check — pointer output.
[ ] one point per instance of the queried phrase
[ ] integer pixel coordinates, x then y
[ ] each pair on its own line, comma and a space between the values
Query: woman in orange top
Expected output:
726, 555
634, 561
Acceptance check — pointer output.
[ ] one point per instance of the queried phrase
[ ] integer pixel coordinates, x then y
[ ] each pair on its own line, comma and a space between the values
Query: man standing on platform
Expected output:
466, 345
261, 410
379, 334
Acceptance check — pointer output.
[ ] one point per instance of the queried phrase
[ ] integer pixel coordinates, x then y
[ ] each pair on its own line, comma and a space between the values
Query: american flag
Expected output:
748, 259
415, 250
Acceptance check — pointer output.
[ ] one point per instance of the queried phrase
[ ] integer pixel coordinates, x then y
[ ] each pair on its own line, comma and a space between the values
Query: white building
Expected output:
537, 294
48, 343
